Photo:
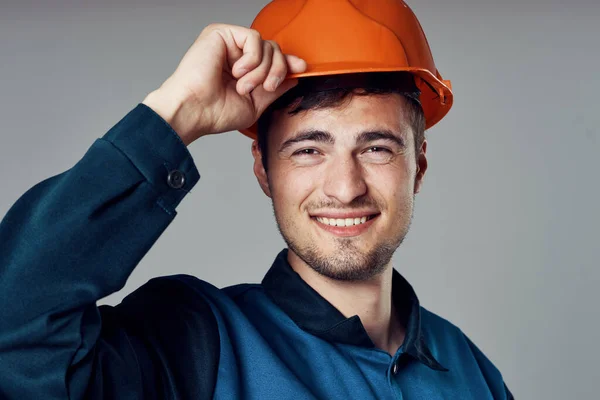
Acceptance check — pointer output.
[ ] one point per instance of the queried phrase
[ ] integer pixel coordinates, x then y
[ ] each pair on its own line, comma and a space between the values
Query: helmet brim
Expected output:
436, 94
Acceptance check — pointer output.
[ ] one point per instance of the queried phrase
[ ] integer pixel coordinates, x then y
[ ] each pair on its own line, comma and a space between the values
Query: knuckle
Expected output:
253, 58
279, 65
254, 33
267, 48
274, 44
278, 74
211, 27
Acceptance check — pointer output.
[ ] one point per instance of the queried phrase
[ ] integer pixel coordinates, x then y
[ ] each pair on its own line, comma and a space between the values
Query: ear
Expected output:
259, 169
421, 159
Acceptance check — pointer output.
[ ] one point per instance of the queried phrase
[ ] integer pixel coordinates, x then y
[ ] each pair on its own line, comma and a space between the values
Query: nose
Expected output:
344, 180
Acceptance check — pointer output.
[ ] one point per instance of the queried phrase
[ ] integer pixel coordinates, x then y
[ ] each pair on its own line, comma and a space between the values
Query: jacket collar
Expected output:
312, 313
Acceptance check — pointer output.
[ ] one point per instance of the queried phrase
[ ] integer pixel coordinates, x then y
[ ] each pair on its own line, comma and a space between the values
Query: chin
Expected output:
346, 262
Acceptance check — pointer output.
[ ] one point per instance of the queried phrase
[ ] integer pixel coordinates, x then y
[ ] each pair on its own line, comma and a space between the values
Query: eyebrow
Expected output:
315, 135
310, 135
385, 134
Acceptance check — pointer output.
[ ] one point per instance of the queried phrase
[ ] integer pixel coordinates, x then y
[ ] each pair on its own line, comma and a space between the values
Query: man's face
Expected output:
342, 181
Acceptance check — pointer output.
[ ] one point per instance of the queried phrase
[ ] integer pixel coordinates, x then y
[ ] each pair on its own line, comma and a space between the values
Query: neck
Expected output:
371, 300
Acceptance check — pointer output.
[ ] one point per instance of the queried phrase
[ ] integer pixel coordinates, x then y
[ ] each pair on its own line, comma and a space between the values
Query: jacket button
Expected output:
176, 179
395, 368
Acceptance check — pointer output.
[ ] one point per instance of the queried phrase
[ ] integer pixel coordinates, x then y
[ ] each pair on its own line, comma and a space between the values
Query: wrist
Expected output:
174, 109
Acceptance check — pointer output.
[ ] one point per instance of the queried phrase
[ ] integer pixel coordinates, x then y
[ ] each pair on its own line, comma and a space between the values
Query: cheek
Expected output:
393, 182
393, 188
291, 188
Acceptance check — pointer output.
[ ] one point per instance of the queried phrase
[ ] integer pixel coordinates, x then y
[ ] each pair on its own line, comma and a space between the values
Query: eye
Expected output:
307, 157
377, 149
306, 152
378, 154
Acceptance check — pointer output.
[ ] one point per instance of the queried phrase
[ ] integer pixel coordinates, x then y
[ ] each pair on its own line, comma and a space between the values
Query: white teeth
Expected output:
342, 221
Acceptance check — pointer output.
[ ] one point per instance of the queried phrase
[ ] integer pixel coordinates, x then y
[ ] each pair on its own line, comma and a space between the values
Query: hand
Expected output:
227, 78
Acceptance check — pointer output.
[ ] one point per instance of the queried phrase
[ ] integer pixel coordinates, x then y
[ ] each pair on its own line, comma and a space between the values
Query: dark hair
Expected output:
330, 91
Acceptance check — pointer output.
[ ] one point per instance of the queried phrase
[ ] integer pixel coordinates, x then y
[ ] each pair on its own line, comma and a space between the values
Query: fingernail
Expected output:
248, 87
274, 83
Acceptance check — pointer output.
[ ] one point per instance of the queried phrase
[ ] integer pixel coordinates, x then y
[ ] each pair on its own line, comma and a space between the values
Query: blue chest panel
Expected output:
266, 356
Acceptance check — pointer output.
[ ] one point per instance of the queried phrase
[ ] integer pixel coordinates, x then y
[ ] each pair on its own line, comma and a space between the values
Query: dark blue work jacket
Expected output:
77, 236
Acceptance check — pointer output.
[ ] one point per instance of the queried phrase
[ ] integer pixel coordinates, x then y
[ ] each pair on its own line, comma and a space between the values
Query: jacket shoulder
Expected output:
448, 335
176, 330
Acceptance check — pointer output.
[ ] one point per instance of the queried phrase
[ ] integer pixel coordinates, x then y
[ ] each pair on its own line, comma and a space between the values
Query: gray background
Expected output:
504, 241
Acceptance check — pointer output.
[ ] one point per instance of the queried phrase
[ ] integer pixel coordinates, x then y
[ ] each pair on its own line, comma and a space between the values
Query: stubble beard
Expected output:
349, 263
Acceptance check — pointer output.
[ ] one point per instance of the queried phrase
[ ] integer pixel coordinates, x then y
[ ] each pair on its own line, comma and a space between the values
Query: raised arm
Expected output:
76, 237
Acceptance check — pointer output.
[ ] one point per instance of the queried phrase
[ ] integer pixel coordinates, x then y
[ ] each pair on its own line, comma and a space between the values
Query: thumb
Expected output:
263, 99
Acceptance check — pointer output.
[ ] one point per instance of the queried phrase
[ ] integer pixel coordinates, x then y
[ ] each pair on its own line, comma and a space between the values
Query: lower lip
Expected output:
346, 231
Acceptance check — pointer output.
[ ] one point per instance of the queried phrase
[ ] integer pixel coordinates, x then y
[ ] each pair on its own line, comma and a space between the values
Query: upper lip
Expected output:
344, 214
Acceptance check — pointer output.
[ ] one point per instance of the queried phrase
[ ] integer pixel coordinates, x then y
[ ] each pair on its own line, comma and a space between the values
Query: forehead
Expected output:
357, 114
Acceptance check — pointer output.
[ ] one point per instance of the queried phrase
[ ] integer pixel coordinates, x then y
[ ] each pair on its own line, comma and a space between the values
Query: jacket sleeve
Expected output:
73, 239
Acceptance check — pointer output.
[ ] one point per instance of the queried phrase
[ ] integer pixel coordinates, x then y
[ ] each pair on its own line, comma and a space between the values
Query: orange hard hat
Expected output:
349, 36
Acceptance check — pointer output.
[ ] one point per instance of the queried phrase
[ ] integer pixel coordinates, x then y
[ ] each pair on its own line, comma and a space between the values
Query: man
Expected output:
341, 154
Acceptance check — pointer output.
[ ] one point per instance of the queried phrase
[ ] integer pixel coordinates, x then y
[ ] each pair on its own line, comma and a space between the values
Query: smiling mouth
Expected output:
342, 222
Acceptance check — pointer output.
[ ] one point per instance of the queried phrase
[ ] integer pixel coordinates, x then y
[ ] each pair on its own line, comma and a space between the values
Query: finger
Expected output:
250, 42
296, 65
262, 98
278, 69
233, 38
258, 75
